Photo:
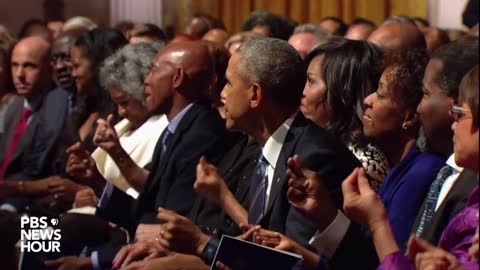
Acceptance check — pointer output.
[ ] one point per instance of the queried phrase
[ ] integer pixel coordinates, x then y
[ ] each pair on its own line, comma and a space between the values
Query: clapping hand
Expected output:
307, 193
209, 183
106, 137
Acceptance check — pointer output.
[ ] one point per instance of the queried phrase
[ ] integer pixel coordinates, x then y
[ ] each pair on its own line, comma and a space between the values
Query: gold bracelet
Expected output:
21, 187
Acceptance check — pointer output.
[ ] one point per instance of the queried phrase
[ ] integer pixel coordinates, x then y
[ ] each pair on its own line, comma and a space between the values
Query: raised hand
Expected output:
360, 201
105, 136
179, 234
429, 257
308, 194
80, 163
209, 183
85, 197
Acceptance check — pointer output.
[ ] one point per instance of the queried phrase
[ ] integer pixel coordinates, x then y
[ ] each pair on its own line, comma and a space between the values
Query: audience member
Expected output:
398, 34
124, 27
7, 96
62, 65
440, 87
146, 32
38, 118
339, 77
78, 23
435, 38
35, 27
334, 25
452, 252
217, 35
55, 27
360, 29
131, 142
391, 115
305, 37
6, 39
200, 24
234, 41
267, 24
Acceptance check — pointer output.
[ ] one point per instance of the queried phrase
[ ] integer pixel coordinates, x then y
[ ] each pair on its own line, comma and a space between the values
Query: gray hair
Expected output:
276, 66
128, 67
79, 22
321, 35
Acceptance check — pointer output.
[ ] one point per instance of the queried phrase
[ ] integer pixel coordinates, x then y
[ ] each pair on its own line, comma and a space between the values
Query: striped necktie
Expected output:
432, 197
257, 199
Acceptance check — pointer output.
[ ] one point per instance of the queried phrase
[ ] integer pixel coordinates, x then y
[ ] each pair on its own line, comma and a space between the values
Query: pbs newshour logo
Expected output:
38, 234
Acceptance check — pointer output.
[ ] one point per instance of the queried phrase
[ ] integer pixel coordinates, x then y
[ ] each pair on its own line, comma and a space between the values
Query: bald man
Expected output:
38, 119
216, 35
176, 86
396, 36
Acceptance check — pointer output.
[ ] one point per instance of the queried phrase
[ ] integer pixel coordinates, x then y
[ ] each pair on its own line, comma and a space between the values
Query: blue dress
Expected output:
405, 187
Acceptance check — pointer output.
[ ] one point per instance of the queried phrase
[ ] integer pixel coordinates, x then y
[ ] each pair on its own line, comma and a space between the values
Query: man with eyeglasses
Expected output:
447, 194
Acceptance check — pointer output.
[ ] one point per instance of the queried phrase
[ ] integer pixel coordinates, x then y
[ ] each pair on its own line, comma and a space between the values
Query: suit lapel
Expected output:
279, 175
184, 124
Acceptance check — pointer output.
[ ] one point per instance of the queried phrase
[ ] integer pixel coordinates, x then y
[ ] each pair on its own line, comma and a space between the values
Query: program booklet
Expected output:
243, 255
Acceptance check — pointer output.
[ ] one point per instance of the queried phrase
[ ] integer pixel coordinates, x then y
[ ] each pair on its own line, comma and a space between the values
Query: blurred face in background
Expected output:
82, 72
62, 64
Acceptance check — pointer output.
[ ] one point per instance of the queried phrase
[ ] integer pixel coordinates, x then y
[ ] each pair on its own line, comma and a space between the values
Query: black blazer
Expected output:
453, 203
170, 182
236, 168
319, 151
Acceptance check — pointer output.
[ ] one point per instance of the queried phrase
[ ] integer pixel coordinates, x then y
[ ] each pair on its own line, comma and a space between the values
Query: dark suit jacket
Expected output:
34, 150
453, 203
170, 183
236, 168
319, 151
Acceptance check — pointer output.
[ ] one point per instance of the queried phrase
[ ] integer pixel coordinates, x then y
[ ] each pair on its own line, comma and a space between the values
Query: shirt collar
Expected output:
451, 162
172, 126
274, 144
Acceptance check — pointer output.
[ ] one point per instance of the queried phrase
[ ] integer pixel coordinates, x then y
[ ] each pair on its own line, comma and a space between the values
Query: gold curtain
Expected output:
234, 12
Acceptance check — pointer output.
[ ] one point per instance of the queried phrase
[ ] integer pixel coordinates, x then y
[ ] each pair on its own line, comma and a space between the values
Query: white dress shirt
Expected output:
271, 152
447, 185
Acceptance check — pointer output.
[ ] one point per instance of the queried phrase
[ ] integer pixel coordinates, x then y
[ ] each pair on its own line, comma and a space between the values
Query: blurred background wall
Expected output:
174, 13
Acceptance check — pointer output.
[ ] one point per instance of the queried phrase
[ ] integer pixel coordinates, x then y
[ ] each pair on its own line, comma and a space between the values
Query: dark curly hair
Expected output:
407, 76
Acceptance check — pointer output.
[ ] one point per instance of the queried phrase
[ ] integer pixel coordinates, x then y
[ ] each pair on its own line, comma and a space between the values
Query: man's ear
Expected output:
178, 77
256, 95
410, 119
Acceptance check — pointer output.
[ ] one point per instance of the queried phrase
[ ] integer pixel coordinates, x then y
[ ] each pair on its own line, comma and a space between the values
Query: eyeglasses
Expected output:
458, 113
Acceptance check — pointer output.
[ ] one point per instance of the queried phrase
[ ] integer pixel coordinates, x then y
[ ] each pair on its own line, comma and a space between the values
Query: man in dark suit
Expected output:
177, 86
442, 79
39, 117
265, 82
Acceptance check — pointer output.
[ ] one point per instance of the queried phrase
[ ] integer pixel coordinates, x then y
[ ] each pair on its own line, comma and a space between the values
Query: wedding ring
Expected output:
55, 196
162, 231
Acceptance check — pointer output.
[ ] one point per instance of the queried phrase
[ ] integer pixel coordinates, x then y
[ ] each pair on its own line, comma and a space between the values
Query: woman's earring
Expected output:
404, 126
